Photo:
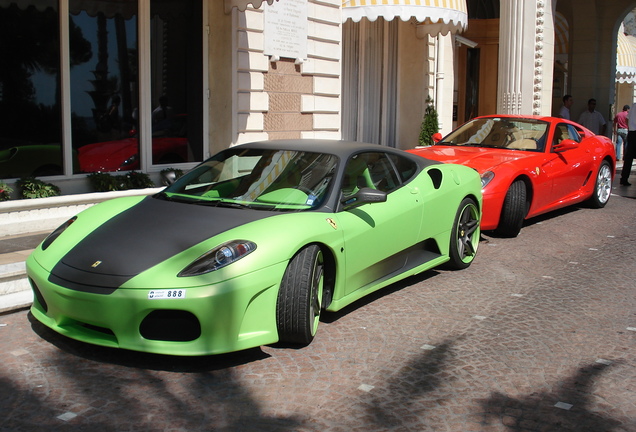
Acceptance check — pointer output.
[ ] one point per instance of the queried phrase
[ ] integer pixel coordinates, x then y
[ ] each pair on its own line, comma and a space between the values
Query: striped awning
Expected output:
442, 15
561, 35
626, 58
243, 4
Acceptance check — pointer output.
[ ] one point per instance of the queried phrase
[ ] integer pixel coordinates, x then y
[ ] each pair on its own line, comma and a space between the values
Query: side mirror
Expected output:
566, 144
168, 177
436, 137
363, 196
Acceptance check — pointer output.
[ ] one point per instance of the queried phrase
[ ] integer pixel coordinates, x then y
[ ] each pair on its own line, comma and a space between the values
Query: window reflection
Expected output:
177, 79
105, 105
30, 128
104, 84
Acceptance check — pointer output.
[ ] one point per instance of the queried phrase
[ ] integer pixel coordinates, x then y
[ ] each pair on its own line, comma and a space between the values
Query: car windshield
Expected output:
281, 180
500, 132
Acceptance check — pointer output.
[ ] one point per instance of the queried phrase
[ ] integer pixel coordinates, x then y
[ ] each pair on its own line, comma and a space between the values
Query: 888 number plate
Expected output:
175, 294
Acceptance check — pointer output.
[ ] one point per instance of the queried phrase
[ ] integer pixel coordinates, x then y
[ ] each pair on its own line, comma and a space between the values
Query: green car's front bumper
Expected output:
227, 316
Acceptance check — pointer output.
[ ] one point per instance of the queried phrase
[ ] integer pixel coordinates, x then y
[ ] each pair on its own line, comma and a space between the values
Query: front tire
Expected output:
300, 297
514, 210
465, 235
603, 186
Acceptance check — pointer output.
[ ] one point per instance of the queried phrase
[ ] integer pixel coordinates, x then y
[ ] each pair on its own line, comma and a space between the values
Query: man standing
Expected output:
630, 150
564, 112
620, 130
592, 119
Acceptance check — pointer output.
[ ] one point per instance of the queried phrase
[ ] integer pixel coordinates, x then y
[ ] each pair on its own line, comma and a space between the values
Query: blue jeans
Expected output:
621, 142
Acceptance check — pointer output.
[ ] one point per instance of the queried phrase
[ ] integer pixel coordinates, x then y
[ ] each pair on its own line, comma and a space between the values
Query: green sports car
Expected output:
249, 247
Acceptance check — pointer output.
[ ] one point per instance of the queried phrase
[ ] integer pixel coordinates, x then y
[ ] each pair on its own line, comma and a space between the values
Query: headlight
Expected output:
130, 161
219, 257
487, 178
55, 234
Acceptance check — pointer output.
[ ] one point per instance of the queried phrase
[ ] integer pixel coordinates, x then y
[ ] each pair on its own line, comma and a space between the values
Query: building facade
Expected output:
117, 85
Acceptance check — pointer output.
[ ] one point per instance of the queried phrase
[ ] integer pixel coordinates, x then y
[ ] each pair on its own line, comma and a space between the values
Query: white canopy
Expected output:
626, 58
439, 16
243, 4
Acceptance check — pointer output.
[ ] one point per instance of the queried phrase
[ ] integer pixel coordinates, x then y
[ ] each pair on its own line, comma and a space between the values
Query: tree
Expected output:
430, 124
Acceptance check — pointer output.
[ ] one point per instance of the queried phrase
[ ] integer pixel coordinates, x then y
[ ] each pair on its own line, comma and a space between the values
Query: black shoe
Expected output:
625, 183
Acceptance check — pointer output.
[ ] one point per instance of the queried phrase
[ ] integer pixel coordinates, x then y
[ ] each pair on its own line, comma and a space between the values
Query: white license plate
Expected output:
167, 294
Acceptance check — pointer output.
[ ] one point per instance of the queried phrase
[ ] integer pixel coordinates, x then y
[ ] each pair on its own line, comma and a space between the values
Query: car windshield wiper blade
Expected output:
222, 203
174, 198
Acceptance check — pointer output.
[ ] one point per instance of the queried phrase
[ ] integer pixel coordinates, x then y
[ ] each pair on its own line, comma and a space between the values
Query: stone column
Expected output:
526, 50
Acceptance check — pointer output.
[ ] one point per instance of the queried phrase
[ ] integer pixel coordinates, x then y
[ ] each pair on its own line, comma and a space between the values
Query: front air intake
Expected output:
170, 325
38, 296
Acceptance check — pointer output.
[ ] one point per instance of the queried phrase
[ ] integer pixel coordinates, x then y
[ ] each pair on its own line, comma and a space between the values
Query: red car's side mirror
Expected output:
566, 144
436, 137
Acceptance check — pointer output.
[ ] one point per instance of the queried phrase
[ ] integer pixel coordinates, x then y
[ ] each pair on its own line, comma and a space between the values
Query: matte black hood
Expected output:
141, 237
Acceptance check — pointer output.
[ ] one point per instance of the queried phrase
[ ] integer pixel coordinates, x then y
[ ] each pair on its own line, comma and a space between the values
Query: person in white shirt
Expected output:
564, 112
592, 119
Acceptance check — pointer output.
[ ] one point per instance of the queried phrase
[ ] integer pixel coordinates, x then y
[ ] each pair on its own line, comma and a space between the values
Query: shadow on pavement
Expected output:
536, 411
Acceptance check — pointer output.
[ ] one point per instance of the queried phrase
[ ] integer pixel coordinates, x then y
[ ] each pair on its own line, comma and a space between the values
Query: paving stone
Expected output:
428, 362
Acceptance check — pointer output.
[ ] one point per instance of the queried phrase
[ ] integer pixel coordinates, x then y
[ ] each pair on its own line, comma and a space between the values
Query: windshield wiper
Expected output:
174, 198
222, 203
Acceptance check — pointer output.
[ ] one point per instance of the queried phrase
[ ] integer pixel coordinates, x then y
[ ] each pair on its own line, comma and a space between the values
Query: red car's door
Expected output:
568, 169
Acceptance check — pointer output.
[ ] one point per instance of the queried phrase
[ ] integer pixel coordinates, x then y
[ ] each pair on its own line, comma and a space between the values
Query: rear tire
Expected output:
603, 186
514, 210
300, 297
465, 235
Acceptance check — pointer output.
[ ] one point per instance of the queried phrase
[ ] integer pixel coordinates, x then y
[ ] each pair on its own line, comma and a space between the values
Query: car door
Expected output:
375, 234
568, 169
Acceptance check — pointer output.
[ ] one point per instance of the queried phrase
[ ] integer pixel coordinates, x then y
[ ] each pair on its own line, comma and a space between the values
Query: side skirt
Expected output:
416, 260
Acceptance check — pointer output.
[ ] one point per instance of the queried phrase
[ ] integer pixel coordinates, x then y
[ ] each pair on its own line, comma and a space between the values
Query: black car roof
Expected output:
341, 148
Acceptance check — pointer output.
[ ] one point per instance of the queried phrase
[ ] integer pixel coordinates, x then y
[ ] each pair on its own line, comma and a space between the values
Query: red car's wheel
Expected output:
514, 210
603, 186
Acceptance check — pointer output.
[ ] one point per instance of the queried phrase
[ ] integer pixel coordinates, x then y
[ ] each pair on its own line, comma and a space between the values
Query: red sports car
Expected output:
529, 165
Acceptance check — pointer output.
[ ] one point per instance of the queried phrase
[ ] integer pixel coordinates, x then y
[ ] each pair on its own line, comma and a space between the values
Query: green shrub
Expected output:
430, 124
138, 180
5, 192
104, 182
34, 188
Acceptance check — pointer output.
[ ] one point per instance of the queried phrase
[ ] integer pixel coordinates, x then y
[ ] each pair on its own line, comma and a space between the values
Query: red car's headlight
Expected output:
487, 178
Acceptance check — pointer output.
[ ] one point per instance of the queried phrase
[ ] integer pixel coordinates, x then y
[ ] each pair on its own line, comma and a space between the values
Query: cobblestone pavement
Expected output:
539, 334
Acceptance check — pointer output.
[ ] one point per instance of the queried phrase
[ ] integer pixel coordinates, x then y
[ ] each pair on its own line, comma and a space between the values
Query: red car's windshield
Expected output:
500, 132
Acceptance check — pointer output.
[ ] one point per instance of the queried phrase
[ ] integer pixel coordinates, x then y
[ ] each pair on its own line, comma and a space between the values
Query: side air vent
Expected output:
436, 176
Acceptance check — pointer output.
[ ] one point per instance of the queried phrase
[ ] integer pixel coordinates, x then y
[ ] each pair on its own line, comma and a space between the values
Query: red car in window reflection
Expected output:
529, 165
123, 155
169, 146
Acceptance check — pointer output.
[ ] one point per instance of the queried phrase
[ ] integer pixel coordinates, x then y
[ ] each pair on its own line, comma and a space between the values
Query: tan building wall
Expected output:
414, 85
287, 98
220, 52
285, 86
